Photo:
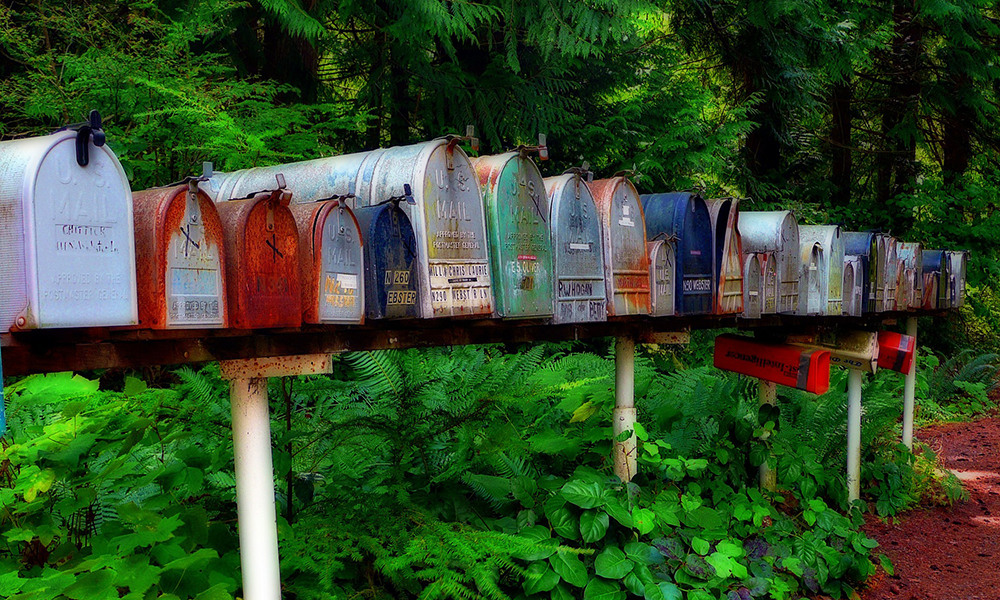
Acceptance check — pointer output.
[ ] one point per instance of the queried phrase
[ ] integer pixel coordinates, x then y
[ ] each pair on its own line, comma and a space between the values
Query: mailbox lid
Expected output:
684, 217
262, 262
66, 236
448, 220
517, 214
180, 267
331, 259
753, 281
776, 232
623, 230
728, 252
578, 251
390, 249
661, 283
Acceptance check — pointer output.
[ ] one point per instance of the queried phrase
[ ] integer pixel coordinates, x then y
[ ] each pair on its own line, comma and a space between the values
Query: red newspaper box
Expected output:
803, 368
895, 351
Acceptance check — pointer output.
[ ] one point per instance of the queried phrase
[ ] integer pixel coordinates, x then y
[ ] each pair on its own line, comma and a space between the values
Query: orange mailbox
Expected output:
180, 269
803, 368
895, 351
262, 260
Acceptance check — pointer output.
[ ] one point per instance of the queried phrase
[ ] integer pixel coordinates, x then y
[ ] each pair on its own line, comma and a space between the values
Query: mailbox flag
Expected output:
803, 368
895, 351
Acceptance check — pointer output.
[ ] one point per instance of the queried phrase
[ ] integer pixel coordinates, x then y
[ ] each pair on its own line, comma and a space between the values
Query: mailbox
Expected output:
854, 286
769, 277
728, 252
180, 266
578, 252
684, 218
390, 255
67, 253
753, 287
831, 267
811, 300
937, 280
958, 261
911, 276
623, 231
517, 215
864, 245
850, 349
896, 351
803, 368
331, 262
887, 267
661, 282
262, 261
778, 233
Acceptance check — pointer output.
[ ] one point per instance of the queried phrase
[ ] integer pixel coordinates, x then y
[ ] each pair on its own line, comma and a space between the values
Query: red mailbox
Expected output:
803, 368
895, 351
180, 265
262, 260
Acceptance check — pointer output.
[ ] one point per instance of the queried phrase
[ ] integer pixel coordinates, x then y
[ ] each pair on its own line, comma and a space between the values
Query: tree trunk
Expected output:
842, 161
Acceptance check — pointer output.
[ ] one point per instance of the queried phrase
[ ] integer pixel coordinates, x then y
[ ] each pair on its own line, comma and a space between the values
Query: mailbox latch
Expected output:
453, 140
541, 149
85, 131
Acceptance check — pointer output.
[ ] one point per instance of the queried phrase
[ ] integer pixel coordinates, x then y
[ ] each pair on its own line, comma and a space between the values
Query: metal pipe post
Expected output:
767, 393
255, 489
623, 417
853, 434
909, 386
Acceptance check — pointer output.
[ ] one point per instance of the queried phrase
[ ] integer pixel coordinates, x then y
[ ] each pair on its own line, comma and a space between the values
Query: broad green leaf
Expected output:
729, 548
640, 431
700, 546
10, 583
641, 553
634, 584
539, 578
98, 585
545, 545
593, 525
565, 523
886, 564
569, 566
703, 518
216, 592
192, 559
664, 590
618, 511
584, 412
599, 589
612, 563
644, 520
722, 564
584, 495
134, 386
561, 592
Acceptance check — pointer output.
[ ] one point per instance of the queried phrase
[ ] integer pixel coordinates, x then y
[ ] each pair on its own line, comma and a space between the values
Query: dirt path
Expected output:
949, 553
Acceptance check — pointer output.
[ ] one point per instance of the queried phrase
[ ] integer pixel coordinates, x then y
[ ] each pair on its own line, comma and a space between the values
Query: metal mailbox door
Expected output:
854, 273
390, 262
331, 256
752, 287
180, 266
888, 267
911, 263
769, 269
517, 214
936, 280
811, 300
578, 252
728, 251
448, 221
661, 283
262, 261
684, 218
623, 230
67, 253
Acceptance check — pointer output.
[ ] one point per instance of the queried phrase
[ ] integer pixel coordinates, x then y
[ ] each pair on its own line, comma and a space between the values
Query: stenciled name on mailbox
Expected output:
697, 285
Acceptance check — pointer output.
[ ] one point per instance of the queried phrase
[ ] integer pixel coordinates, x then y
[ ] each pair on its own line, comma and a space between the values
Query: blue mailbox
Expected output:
684, 217
391, 287
864, 245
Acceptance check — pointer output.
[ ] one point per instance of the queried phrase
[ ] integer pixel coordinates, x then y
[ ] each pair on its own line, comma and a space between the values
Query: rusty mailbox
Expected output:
517, 215
937, 280
662, 267
578, 252
180, 266
910, 290
753, 287
811, 300
864, 245
854, 286
262, 260
67, 252
831, 267
684, 218
390, 261
958, 261
623, 231
888, 264
331, 259
776, 232
728, 252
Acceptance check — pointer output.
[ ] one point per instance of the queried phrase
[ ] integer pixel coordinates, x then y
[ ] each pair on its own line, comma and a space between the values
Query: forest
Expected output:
484, 471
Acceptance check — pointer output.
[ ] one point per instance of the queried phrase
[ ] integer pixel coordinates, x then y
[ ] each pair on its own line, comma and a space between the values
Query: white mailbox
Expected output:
67, 255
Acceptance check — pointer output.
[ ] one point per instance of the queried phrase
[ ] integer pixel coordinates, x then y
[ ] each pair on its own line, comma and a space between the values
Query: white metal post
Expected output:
853, 434
255, 489
767, 393
623, 417
909, 386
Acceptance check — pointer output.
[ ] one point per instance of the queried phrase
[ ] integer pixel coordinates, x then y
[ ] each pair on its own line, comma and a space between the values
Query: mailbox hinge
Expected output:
542, 149
453, 140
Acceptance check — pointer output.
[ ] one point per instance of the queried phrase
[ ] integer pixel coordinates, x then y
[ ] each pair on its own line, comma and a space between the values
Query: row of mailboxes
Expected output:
240, 250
